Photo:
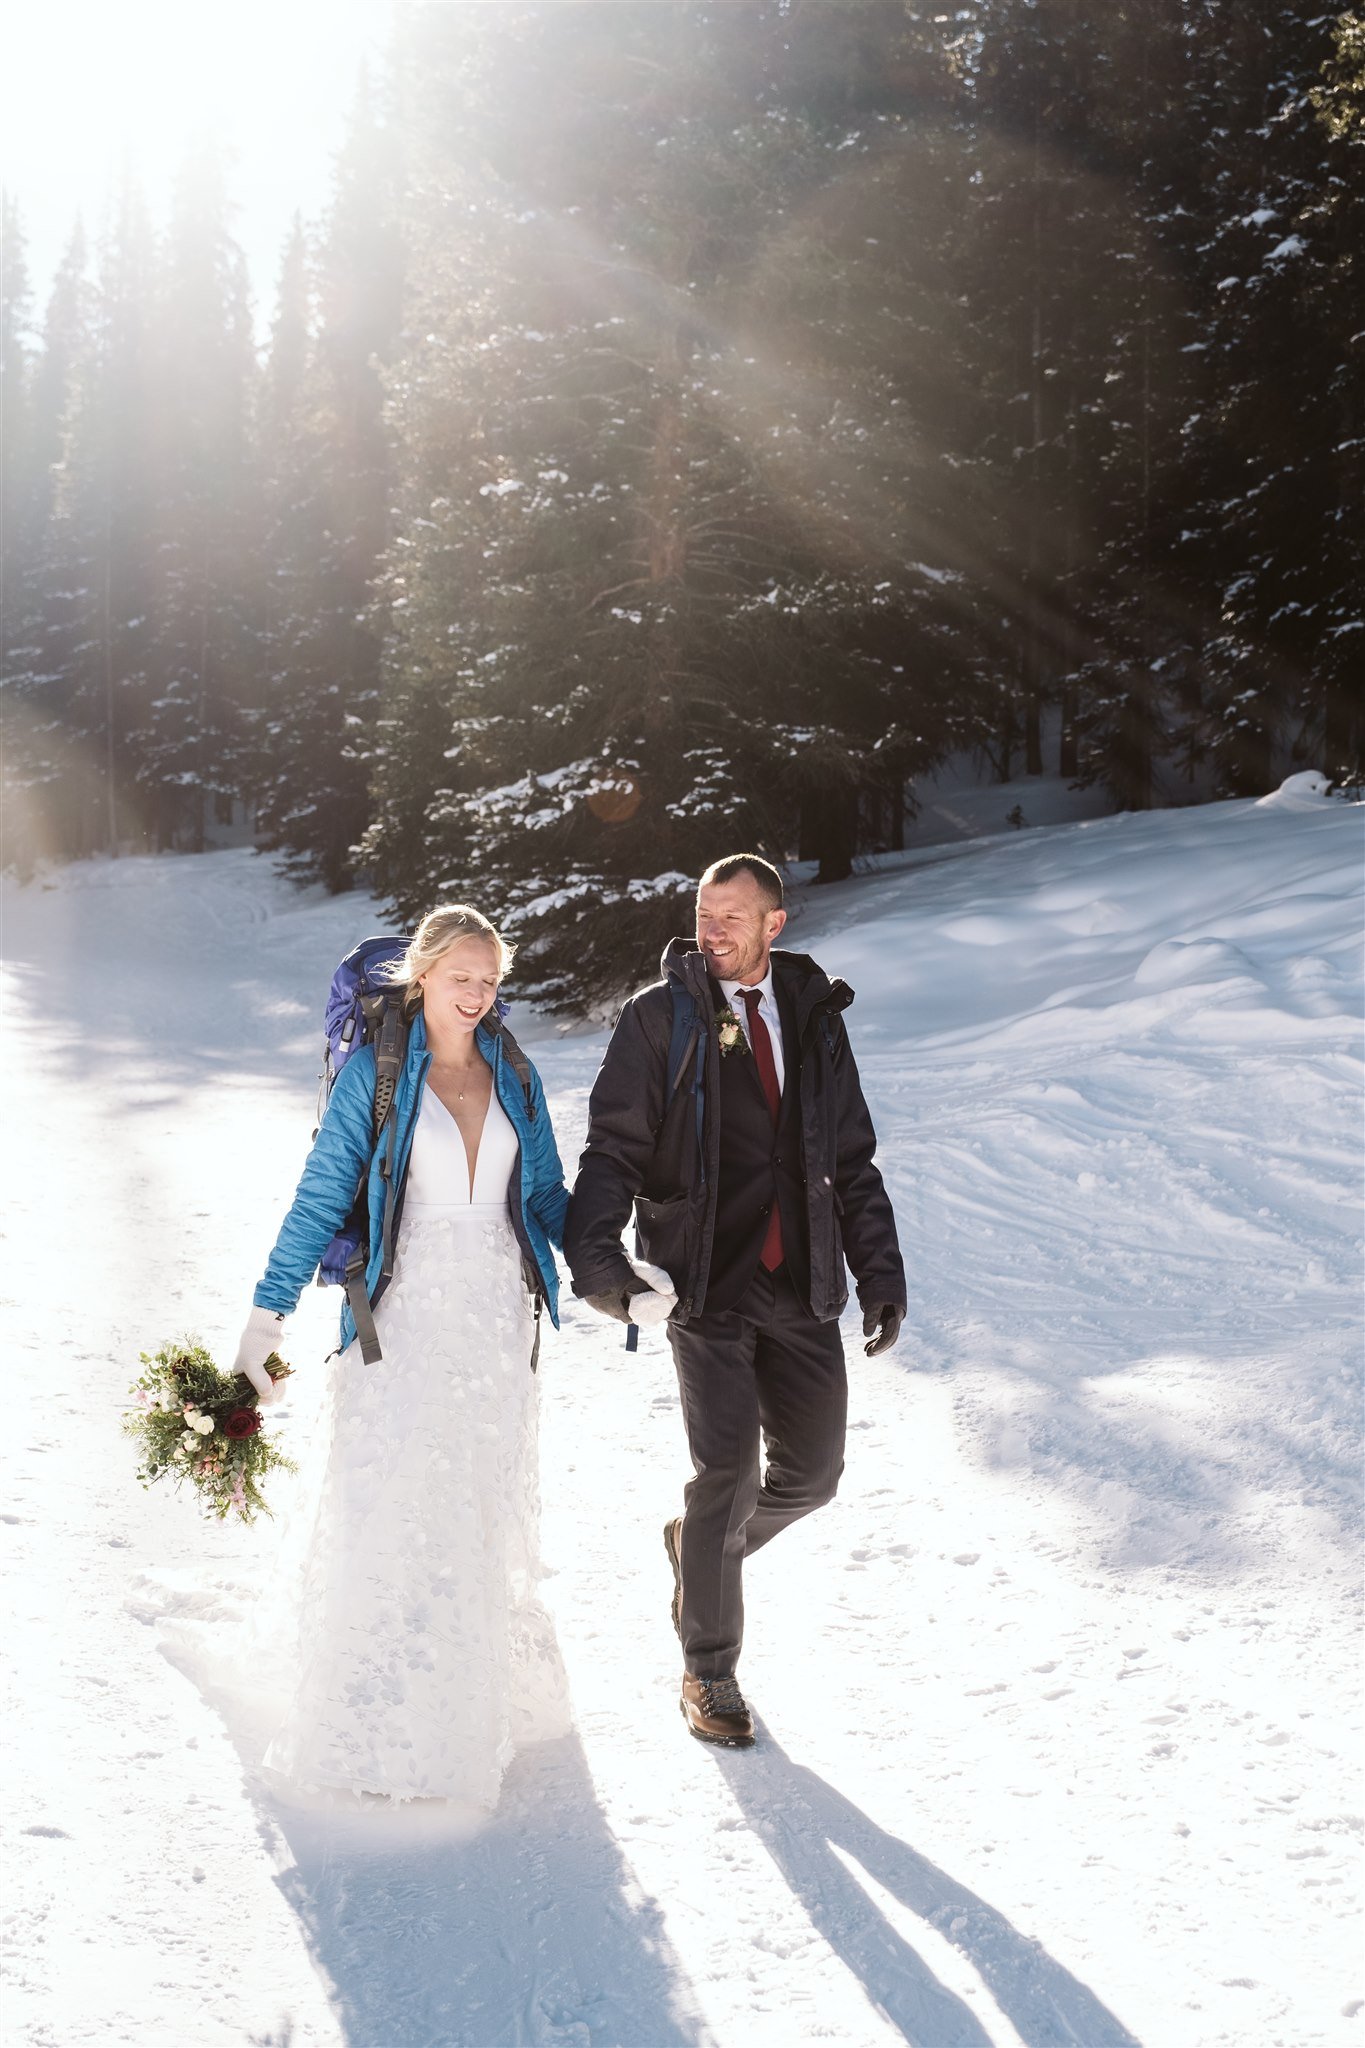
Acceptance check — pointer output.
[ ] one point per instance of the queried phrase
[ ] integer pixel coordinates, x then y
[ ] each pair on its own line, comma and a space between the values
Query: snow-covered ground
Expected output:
1058, 1699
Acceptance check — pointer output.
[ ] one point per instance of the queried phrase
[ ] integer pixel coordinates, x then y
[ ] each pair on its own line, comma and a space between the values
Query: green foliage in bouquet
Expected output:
193, 1422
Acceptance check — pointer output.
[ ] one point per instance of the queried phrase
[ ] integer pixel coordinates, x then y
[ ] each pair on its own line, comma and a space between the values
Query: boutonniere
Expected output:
730, 1031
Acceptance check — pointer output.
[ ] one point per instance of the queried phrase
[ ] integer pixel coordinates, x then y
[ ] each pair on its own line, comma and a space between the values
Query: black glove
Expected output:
617, 1306
881, 1326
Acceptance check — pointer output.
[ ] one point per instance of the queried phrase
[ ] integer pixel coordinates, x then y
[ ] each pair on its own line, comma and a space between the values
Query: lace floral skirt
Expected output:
425, 1658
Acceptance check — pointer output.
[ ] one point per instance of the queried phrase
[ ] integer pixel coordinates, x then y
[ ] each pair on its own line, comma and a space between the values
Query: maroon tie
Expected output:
771, 1254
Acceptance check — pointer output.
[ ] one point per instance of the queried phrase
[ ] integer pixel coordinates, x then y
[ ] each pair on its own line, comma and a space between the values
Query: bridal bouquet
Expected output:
199, 1424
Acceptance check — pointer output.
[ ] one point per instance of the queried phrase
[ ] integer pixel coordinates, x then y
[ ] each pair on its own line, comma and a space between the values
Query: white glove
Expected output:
658, 1305
260, 1337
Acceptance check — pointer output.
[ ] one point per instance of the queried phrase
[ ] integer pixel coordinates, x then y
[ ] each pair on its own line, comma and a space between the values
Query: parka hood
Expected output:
804, 979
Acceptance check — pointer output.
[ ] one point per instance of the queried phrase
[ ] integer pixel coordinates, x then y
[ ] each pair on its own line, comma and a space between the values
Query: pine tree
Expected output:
115, 485
15, 362
1079, 237
310, 796
19, 534
328, 463
1276, 451
52, 784
204, 660
1142, 624
1331, 707
1028, 232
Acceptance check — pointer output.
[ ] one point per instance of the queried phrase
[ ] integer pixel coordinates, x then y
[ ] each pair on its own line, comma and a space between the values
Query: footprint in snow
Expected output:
48, 1834
968, 1557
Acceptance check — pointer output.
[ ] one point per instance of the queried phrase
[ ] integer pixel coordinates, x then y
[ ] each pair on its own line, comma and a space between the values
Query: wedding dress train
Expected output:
425, 1658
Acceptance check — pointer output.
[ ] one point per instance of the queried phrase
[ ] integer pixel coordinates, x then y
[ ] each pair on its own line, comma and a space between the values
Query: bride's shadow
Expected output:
529, 1930
432, 1932
801, 1822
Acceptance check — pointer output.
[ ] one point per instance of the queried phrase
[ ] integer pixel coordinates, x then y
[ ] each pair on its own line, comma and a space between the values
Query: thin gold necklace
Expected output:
460, 1093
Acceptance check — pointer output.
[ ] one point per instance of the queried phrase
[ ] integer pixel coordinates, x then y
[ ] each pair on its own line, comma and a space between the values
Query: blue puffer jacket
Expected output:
344, 1150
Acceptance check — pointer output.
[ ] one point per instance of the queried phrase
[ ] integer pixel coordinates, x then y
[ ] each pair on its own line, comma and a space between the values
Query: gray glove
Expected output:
881, 1326
260, 1337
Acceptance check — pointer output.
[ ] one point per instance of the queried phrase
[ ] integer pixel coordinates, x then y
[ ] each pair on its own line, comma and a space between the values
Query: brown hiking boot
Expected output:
673, 1545
714, 1711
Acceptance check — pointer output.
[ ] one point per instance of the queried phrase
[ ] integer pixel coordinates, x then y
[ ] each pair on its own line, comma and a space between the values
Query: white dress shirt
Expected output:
767, 1010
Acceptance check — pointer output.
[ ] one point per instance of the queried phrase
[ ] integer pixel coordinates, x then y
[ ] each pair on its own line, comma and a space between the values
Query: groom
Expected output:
728, 1110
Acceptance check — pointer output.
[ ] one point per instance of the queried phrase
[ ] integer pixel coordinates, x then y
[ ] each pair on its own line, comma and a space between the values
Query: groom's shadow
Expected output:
801, 1821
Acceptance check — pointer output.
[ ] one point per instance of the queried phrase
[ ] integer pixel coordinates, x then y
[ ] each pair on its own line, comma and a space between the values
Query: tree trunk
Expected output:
1033, 734
106, 627
1343, 737
1067, 761
1004, 756
1133, 781
829, 831
201, 749
1033, 647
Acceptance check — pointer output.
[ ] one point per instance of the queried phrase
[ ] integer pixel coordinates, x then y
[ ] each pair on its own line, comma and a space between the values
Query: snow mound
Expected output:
1175, 963
1304, 792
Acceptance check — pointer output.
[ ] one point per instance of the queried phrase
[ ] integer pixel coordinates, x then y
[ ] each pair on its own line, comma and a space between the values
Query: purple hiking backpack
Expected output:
365, 1007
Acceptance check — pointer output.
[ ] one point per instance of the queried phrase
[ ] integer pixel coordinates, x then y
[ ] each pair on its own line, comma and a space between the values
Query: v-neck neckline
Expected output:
472, 1164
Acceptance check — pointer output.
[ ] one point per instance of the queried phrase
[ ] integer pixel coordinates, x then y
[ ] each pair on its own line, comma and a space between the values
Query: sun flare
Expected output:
90, 90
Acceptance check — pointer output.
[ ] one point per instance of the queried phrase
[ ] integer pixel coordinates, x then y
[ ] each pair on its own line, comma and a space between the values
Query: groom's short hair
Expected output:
763, 872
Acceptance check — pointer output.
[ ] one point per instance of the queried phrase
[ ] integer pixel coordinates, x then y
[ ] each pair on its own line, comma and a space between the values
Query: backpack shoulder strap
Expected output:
687, 1038
387, 1032
681, 1039
521, 1067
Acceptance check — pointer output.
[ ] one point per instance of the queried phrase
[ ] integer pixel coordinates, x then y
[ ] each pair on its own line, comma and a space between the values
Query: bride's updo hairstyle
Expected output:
440, 929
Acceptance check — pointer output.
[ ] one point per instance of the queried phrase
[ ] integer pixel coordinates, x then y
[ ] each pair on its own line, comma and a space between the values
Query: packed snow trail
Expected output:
1058, 1699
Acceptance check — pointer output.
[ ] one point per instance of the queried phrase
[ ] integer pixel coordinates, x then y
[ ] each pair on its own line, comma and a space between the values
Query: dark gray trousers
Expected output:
765, 1367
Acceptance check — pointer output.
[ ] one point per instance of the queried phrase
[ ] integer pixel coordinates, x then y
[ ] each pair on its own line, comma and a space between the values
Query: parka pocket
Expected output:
661, 1231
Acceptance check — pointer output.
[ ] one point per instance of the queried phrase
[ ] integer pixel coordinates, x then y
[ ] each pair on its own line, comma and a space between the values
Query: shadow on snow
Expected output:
525, 1928
531, 1931
801, 1822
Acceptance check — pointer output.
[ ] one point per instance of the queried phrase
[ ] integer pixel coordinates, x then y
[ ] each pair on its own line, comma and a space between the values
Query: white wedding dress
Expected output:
425, 1658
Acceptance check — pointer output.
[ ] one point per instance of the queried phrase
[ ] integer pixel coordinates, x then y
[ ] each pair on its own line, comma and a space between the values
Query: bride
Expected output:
425, 1657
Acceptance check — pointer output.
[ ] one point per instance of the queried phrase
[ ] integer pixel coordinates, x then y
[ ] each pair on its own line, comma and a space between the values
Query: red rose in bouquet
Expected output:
242, 1422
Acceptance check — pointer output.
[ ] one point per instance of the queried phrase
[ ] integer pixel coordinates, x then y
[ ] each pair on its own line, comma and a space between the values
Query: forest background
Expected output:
688, 427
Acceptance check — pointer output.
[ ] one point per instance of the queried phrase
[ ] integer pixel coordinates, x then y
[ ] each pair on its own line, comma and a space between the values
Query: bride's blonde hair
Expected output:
446, 926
